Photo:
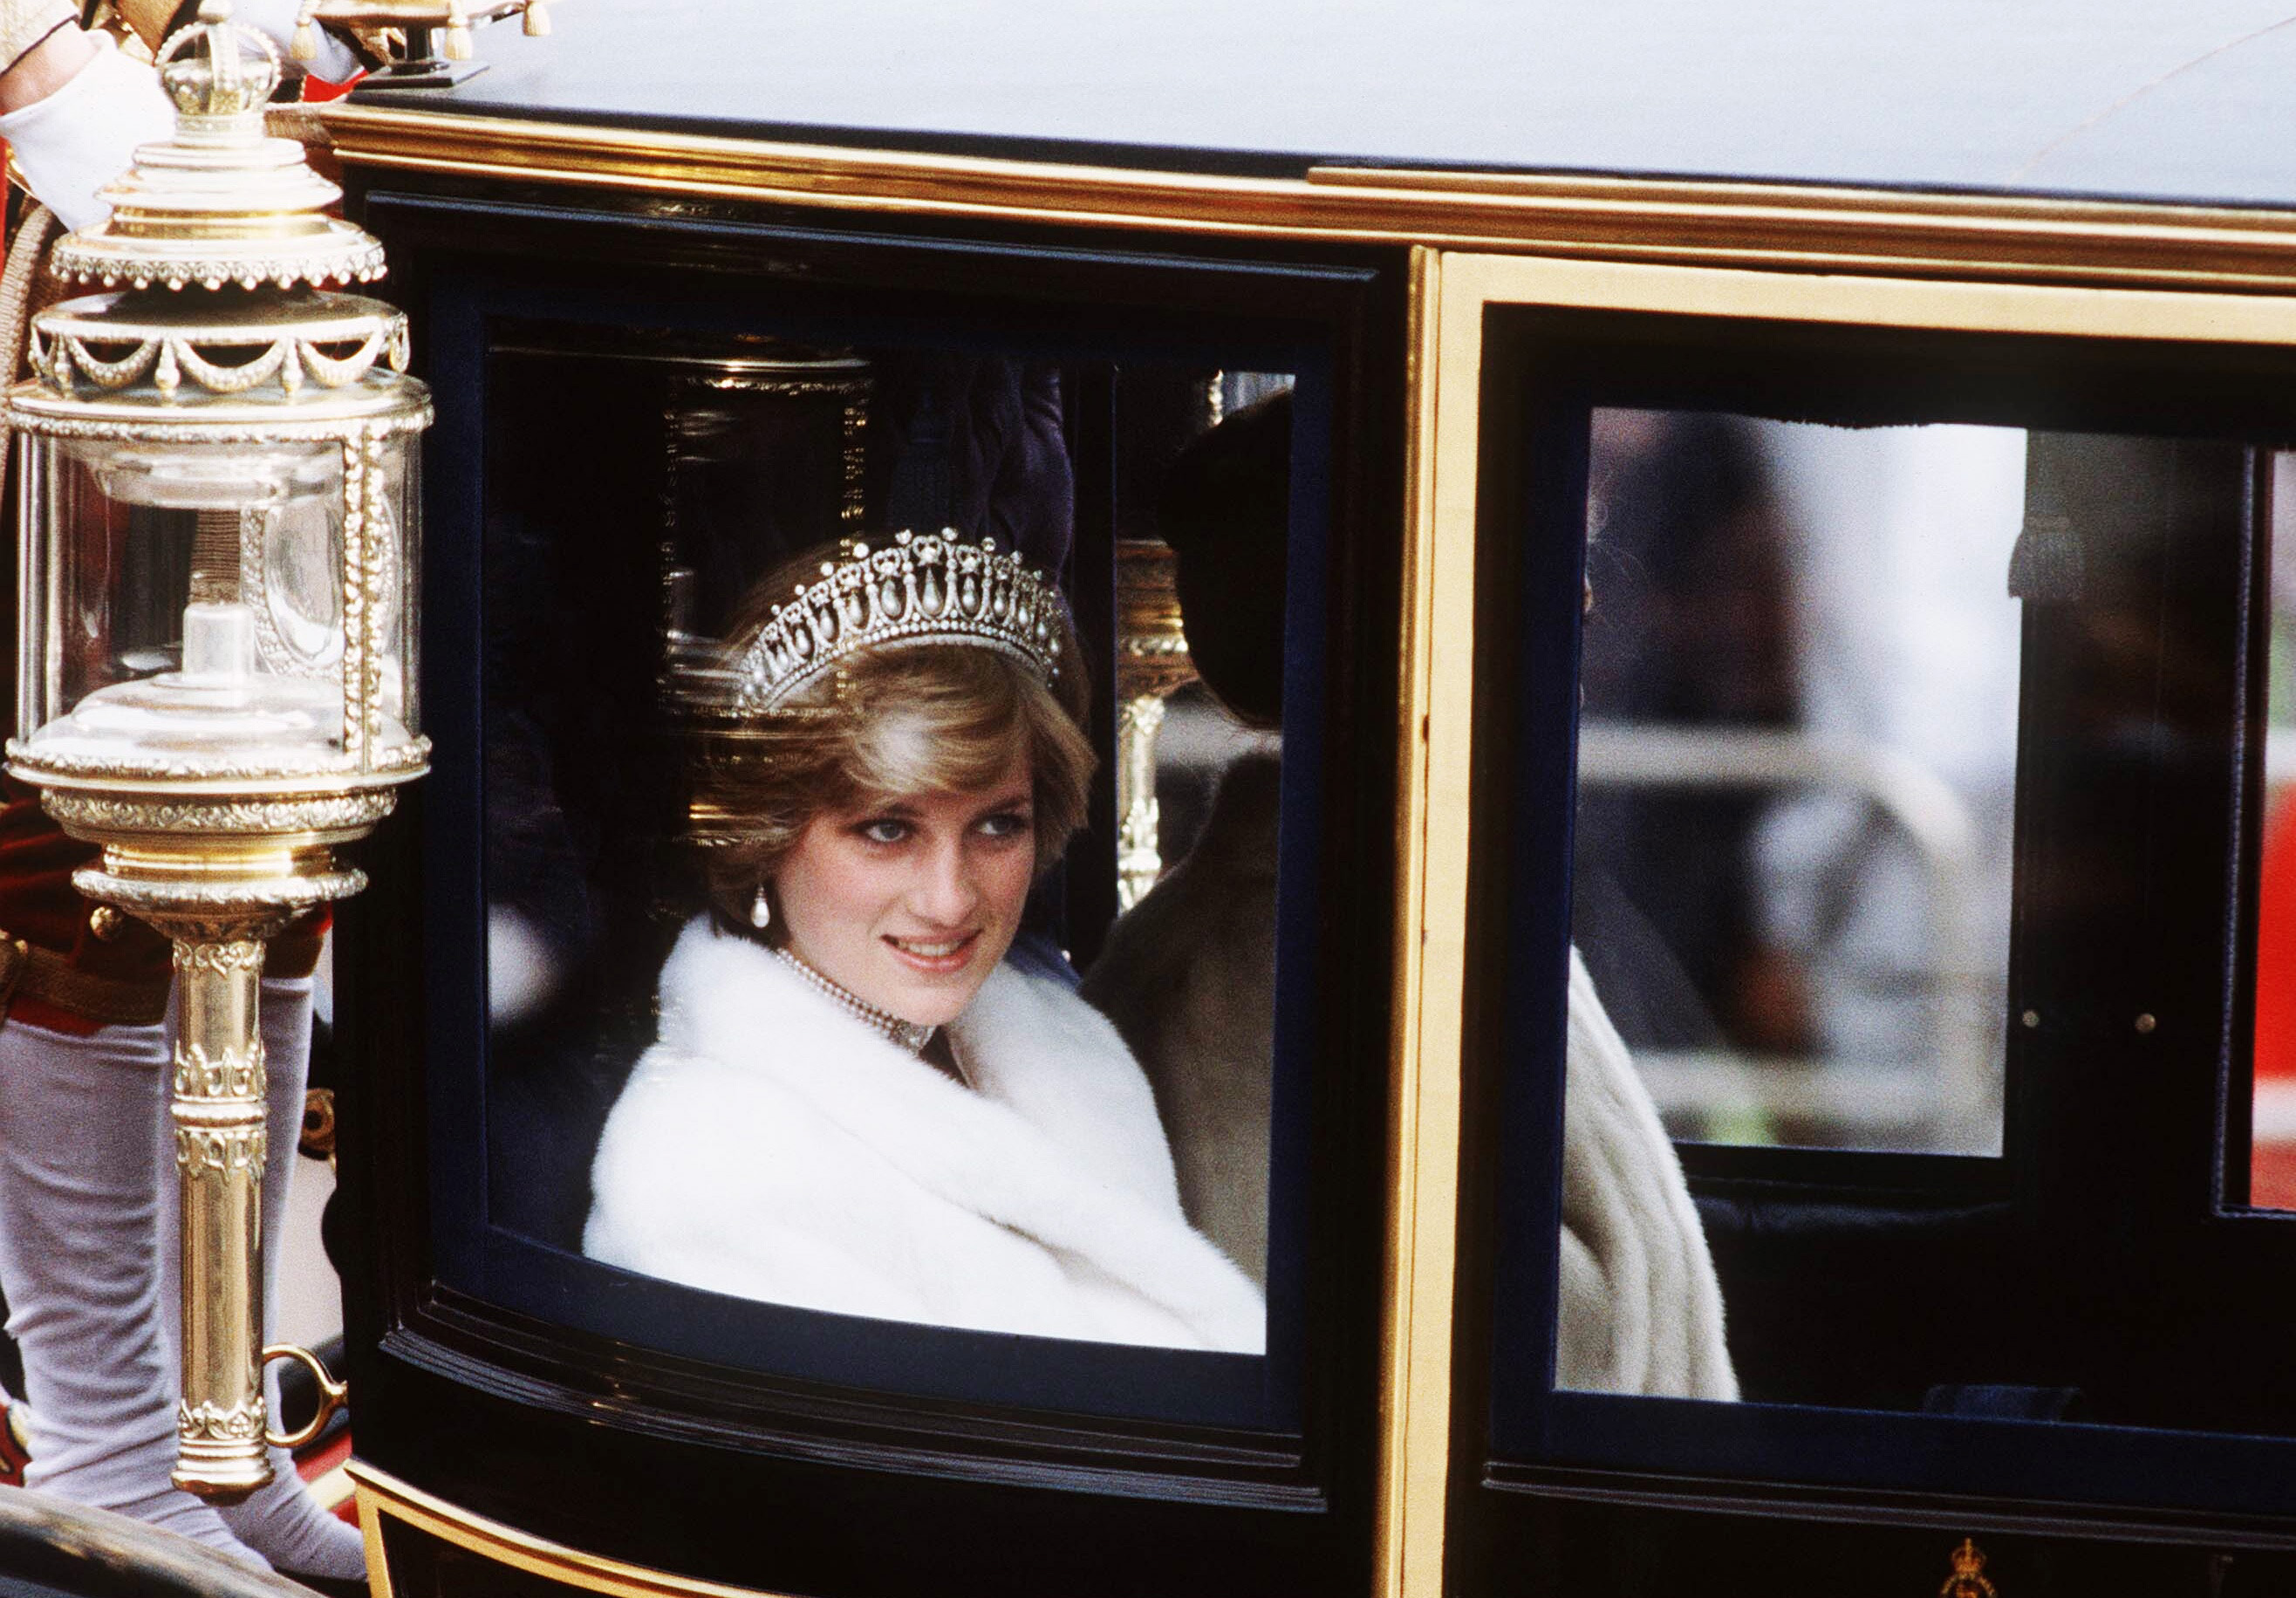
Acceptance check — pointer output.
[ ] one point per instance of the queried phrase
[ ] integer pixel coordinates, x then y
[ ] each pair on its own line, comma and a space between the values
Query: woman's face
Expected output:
909, 905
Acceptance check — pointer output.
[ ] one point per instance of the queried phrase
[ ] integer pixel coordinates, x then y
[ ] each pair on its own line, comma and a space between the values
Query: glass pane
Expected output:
1883, 698
1797, 767
194, 579
800, 858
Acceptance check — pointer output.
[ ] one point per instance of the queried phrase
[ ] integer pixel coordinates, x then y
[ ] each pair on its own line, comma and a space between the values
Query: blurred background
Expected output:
1797, 775
1797, 771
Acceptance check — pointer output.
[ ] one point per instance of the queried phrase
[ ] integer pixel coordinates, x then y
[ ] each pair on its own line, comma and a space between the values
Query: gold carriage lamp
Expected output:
216, 681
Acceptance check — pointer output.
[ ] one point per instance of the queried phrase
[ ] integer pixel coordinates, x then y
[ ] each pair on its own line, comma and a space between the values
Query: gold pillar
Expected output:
1138, 860
1151, 662
218, 1112
219, 913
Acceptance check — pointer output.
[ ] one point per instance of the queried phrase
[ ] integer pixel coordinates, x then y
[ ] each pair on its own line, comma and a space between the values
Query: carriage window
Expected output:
1906, 809
884, 778
1797, 764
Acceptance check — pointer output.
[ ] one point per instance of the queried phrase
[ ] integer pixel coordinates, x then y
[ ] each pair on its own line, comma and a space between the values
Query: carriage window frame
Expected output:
1120, 1383
1501, 1458
423, 1344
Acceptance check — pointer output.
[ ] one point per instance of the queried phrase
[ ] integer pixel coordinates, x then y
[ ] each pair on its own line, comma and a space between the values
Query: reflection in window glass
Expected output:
1797, 772
1841, 652
791, 873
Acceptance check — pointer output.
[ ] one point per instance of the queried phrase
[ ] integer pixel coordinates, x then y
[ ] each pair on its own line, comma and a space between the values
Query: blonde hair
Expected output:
891, 722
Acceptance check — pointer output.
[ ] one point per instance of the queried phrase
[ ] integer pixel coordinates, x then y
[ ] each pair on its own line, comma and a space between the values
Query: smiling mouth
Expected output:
935, 954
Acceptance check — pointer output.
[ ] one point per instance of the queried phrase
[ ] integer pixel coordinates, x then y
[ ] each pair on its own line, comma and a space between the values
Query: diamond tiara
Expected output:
934, 588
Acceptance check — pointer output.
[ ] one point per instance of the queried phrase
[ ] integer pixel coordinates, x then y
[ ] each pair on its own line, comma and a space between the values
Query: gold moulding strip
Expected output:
382, 1495
301, 821
1711, 224
329, 419
1434, 730
195, 782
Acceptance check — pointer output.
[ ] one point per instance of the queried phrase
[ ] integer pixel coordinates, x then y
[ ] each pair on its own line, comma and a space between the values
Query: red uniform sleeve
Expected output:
39, 905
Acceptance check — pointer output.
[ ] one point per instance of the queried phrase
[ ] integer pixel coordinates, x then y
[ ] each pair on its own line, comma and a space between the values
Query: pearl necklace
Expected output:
884, 1023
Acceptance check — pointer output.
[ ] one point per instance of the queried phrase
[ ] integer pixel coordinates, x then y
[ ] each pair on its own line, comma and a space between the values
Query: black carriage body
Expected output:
2045, 1356
527, 1391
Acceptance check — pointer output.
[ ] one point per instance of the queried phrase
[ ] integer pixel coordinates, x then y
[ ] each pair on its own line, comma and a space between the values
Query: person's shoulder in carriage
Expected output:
1187, 976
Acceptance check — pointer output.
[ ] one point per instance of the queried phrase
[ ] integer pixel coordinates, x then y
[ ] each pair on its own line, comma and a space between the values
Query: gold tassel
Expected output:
458, 34
305, 43
537, 20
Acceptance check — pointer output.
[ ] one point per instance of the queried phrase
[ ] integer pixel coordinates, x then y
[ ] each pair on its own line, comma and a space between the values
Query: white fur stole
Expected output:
770, 1146
1641, 1310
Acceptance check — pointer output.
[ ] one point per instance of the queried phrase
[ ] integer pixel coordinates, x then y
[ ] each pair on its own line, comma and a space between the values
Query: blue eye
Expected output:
884, 829
1005, 824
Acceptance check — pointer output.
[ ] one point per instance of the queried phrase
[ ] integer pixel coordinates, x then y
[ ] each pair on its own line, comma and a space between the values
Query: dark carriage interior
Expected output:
731, 453
2082, 1245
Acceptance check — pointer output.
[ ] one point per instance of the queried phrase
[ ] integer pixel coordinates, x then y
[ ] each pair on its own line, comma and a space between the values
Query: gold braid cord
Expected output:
25, 253
150, 20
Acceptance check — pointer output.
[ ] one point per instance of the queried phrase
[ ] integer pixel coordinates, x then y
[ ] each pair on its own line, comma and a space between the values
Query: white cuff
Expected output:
79, 138
24, 23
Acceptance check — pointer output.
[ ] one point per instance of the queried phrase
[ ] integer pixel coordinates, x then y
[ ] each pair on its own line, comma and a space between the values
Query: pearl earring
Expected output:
761, 910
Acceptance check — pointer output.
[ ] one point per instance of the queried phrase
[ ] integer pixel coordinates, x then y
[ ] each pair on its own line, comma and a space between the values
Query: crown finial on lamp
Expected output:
220, 74
221, 200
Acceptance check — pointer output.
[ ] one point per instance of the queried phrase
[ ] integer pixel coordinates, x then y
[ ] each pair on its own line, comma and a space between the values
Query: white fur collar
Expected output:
1061, 1143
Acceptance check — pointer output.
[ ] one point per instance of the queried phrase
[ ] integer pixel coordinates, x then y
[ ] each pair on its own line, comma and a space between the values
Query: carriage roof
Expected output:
2090, 98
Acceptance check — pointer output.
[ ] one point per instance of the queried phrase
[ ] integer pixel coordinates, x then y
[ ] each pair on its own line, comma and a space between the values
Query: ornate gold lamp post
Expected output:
1152, 664
217, 682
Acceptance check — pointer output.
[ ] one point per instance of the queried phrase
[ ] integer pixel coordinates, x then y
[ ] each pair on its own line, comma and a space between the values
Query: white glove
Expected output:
86, 133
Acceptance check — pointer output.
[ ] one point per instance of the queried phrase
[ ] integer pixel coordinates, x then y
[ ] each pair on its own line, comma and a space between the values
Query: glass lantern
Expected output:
227, 612
217, 683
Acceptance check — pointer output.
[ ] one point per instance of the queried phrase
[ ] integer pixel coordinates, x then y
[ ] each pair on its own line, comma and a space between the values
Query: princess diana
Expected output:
855, 1102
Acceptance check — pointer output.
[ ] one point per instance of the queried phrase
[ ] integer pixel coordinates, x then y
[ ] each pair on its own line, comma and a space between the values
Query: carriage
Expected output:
1776, 514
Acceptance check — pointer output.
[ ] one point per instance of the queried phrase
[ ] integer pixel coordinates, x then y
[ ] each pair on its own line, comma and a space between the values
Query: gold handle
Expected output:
332, 1394
317, 1139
